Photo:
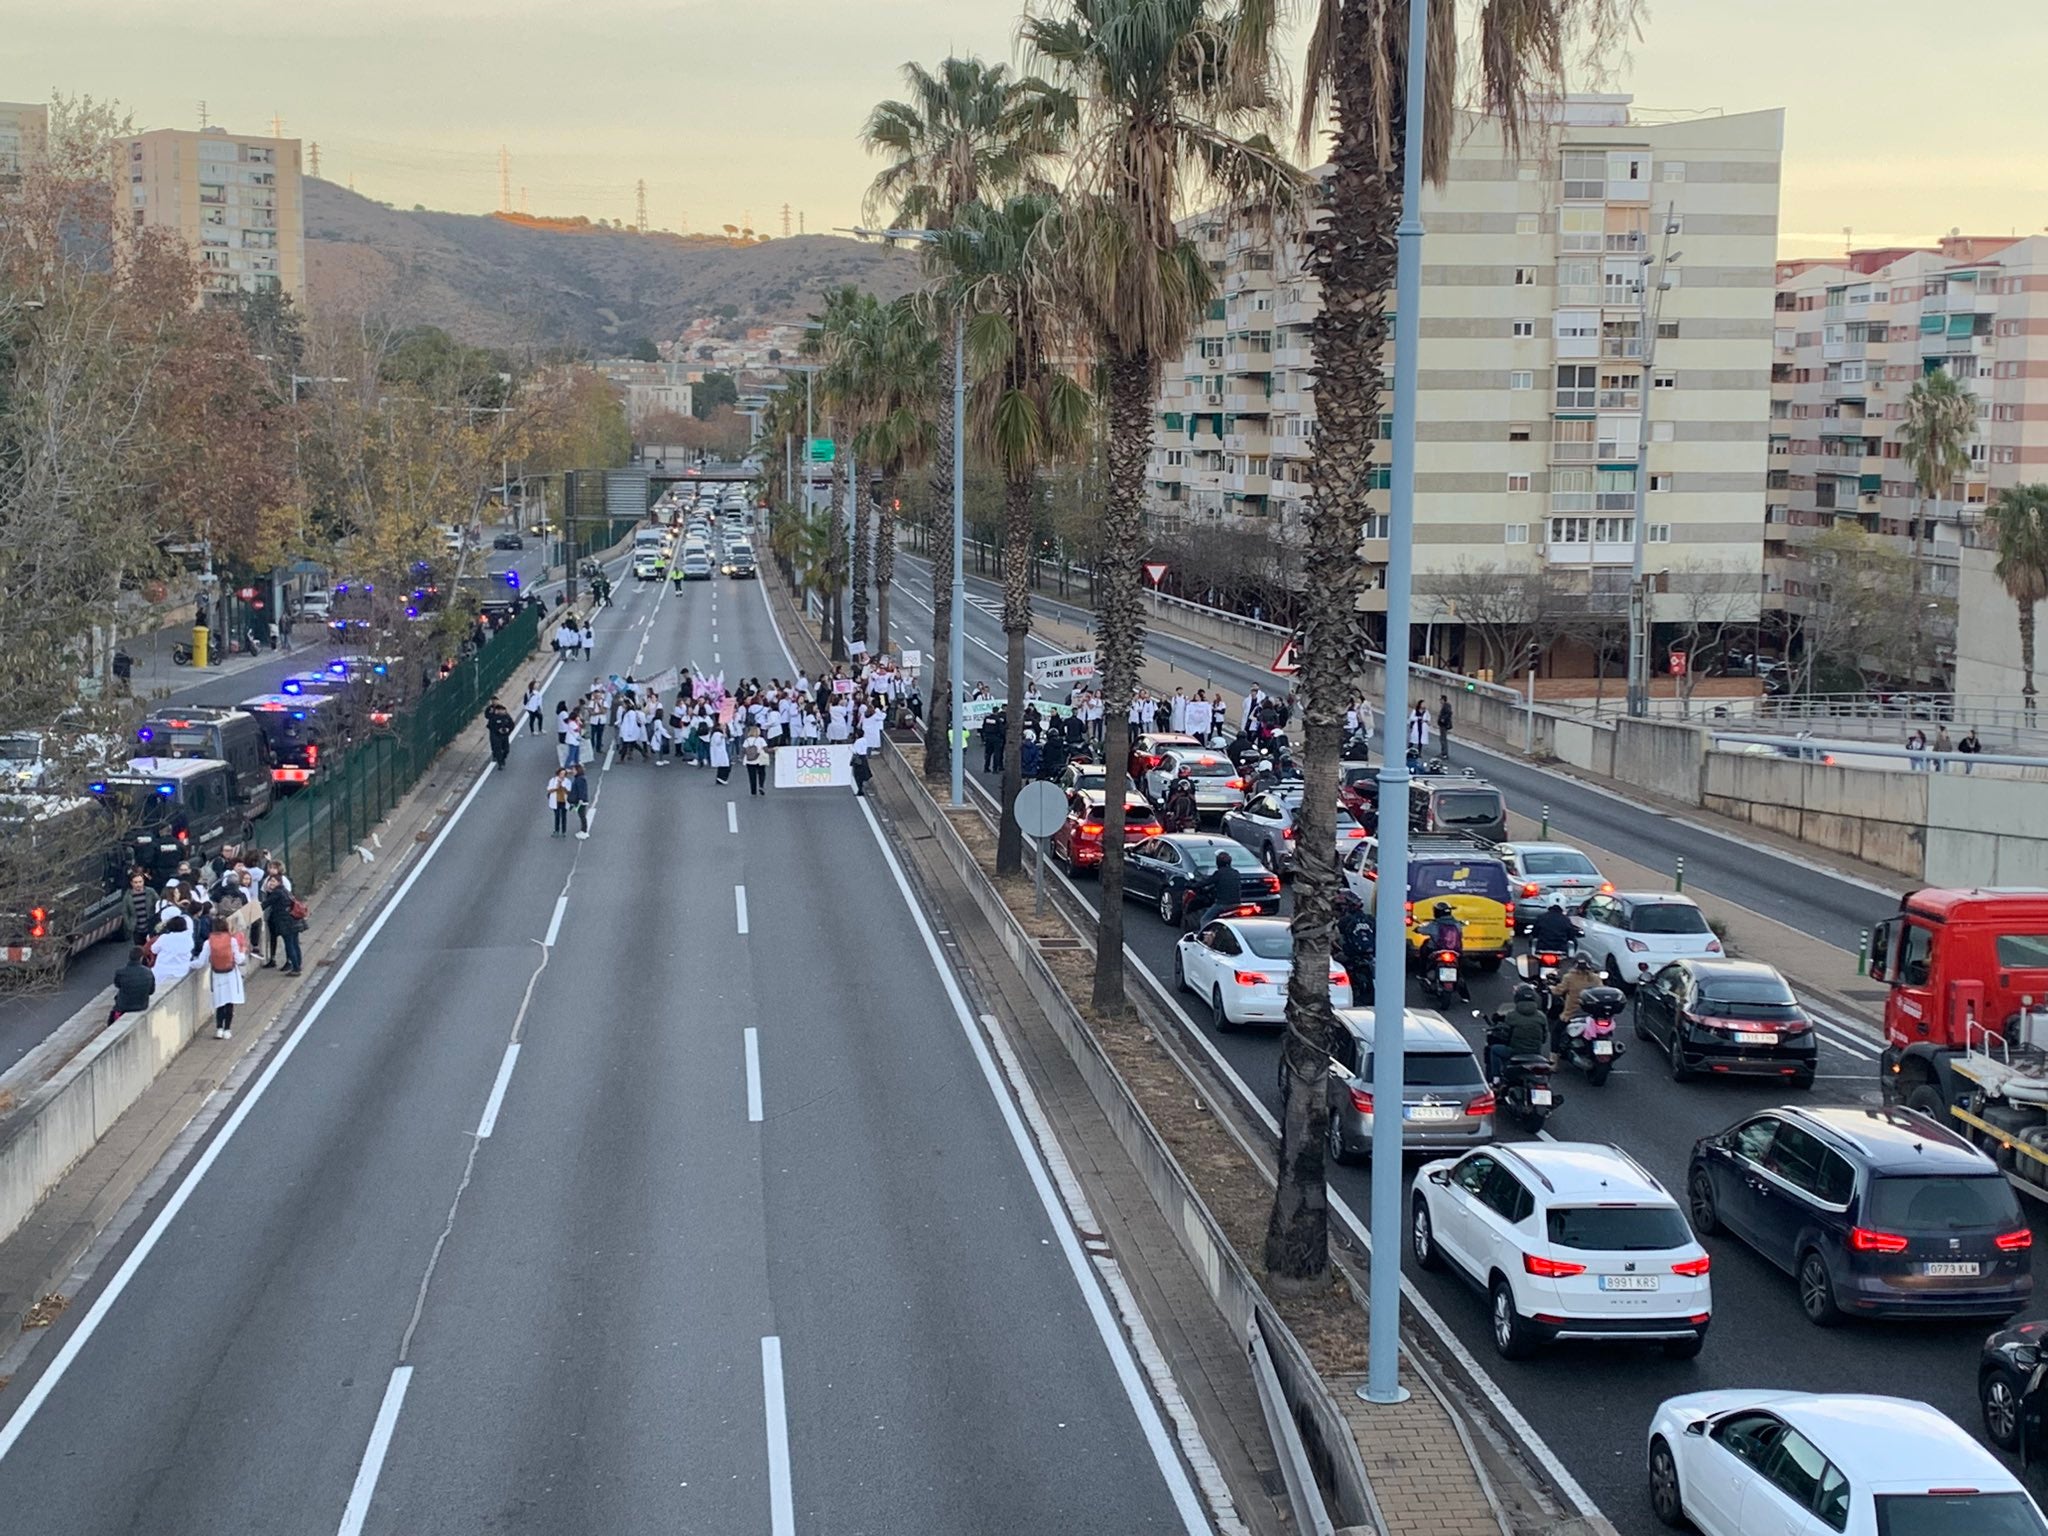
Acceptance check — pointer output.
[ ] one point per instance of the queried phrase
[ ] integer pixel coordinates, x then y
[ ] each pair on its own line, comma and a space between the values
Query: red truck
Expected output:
1966, 1018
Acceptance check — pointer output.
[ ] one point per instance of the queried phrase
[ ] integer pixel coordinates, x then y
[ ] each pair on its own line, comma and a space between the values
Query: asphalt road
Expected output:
632, 1307
1592, 1404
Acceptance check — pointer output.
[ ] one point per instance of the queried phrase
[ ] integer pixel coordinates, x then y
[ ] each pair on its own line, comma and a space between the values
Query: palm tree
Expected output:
1024, 409
1940, 417
831, 340
1356, 67
2019, 520
969, 131
898, 365
1171, 96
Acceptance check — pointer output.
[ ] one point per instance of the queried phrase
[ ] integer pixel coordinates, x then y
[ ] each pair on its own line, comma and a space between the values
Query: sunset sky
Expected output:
734, 109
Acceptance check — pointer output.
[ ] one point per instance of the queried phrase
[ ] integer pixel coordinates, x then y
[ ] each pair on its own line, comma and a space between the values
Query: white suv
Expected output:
1569, 1240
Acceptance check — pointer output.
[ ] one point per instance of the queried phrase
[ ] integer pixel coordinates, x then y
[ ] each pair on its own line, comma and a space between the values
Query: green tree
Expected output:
1941, 415
1025, 410
966, 132
710, 392
1171, 97
2018, 519
644, 351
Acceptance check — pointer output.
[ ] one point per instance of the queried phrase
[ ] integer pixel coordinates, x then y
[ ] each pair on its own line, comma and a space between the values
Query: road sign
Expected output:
1155, 571
823, 450
1040, 809
245, 593
1070, 668
1678, 663
1288, 661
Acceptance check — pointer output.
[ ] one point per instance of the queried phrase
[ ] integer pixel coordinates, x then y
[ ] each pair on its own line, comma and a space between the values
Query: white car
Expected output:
1762, 1463
1218, 788
1240, 967
1568, 1240
647, 567
1632, 935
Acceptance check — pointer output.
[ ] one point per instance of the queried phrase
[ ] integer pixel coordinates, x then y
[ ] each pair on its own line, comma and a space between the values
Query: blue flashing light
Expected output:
167, 789
145, 734
411, 611
298, 714
341, 588
369, 586
293, 685
379, 668
338, 668
512, 580
100, 788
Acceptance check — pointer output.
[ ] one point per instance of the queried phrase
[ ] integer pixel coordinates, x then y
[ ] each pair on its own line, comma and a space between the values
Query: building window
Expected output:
1660, 482
1212, 346
1663, 380
1518, 482
1656, 533
1514, 533
1518, 432
1673, 170
1527, 224
1525, 277
1524, 328
1581, 230
1661, 431
1577, 386
1667, 330
1585, 175
1571, 530
1521, 378
1376, 525
1379, 477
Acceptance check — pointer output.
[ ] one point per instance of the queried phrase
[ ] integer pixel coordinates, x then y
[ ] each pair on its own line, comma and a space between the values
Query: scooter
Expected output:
181, 654
1179, 813
1442, 978
1589, 1039
1525, 1095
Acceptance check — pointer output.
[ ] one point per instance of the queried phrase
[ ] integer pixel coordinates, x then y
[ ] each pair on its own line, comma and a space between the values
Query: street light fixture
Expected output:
1640, 618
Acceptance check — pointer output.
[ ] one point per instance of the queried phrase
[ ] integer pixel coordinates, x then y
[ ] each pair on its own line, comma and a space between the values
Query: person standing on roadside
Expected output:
561, 731
283, 917
499, 723
225, 953
579, 796
1443, 725
138, 908
173, 948
533, 706
558, 801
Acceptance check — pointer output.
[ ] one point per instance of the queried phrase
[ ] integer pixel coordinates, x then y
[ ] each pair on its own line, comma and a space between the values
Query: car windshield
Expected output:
1216, 770
20, 746
1957, 1514
1959, 1203
1358, 773
1435, 1069
1468, 807
1450, 877
1557, 862
1269, 943
1667, 917
1618, 1228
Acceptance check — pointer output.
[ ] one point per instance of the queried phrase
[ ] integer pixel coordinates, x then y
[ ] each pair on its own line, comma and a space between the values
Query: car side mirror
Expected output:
1440, 1176
1696, 1427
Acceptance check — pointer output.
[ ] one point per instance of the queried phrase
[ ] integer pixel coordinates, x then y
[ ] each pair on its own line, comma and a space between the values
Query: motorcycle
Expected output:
1589, 1039
1442, 977
1179, 813
1525, 1095
181, 654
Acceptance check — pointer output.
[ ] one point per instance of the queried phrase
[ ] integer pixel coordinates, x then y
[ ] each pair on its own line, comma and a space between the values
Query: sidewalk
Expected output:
155, 673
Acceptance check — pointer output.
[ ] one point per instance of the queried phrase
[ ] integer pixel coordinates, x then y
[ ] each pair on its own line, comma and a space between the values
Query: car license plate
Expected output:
1947, 1268
1628, 1282
1432, 1111
1603, 1047
1755, 1037
1539, 1095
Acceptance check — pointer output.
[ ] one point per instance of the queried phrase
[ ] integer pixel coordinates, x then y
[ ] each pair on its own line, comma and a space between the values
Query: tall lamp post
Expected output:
1649, 309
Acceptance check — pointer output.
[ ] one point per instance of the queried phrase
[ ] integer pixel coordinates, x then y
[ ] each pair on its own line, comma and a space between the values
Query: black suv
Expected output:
1876, 1212
1728, 1018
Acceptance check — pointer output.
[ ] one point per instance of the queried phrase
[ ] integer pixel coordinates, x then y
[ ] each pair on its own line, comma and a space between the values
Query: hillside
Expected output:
519, 283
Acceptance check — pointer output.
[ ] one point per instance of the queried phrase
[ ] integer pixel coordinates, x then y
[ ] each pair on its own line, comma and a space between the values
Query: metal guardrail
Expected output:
1853, 752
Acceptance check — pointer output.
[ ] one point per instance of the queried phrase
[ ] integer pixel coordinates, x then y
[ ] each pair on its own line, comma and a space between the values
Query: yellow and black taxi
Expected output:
1466, 874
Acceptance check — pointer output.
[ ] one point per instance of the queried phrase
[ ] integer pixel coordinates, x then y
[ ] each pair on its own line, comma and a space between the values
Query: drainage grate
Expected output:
1059, 943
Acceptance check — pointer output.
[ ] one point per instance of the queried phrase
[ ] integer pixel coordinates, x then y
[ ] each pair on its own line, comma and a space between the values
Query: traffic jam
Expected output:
1641, 1167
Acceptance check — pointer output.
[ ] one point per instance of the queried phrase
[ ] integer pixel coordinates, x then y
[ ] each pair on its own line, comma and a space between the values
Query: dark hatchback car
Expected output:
1733, 1018
508, 541
2012, 1389
1874, 1212
1165, 871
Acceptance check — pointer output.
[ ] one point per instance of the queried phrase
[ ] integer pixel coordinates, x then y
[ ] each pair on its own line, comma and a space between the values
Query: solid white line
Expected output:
775, 1410
732, 816
752, 1040
739, 901
489, 1122
365, 1488
89, 1324
555, 922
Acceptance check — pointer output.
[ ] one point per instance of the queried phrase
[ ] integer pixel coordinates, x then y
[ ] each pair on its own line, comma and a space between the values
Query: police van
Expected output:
175, 809
230, 736
305, 732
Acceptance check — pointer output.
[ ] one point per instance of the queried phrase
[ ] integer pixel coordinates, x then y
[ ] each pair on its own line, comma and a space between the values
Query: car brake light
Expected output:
1532, 890
39, 925
1692, 1267
1250, 978
1361, 1100
1550, 1269
1606, 887
1094, 828
1447, 957
1483, 1105
1547, 959
1249, 909
1713, 946
184, 837
1637, 946
312, 754
2006, 1242
1339, 977
1864, 1240
1288, 833
1233, 783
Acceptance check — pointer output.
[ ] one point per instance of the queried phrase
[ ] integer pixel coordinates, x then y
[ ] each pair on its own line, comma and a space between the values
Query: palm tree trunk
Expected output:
885, 554
2027, 658
1353, 257
1919, 614
833, 632
939, 705
863, 561
1016, 625
1120, 639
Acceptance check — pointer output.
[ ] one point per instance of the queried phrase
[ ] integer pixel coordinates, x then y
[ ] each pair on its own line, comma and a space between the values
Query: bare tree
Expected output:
1509, 612
1704, 616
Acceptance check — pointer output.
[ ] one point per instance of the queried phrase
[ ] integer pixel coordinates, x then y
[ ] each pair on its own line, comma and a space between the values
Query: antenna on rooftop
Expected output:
277, 125
204, 121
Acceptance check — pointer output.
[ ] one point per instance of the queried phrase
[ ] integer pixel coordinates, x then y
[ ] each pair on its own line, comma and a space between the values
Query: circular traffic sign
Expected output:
1040, 809
245, 593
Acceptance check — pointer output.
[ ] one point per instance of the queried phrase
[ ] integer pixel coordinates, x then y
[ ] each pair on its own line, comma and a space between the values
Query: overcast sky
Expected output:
1900, 122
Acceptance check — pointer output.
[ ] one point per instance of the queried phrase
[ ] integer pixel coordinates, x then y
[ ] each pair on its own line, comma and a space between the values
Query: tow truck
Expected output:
1966, 1019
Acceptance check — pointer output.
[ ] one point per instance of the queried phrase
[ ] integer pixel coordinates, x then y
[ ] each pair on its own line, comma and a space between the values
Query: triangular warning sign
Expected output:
1289, 660
1155, 571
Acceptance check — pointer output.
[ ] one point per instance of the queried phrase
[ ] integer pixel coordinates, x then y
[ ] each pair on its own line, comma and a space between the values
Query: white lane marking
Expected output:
1188, 1502
372, 1466
739, 901
775, 1409
732, 816
714, 657
555, 922
489, 1123
752, 1039
610, 752
125, 1275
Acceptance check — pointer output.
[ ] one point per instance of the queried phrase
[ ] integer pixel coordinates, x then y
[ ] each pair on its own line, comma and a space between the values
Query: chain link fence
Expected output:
314, 830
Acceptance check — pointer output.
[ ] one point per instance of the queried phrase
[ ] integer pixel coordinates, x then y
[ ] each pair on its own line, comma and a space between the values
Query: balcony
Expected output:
1244, 442
1845, 389
1205, 441
1589, 554
1248, 362
1297, 311
1617, 346
1302, 356
1248, 485
1254, 403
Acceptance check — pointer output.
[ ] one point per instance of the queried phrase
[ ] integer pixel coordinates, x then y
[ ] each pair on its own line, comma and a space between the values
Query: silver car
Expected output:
1446, 1105
1217, 785
1265, 824
1542, 873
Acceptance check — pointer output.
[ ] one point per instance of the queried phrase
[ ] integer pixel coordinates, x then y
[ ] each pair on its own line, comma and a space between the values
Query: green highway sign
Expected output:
823, 450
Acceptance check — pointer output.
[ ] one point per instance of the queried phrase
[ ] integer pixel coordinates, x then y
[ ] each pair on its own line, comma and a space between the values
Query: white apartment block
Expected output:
1853, 336
24, 127
234, 199
1533, 363
649, 387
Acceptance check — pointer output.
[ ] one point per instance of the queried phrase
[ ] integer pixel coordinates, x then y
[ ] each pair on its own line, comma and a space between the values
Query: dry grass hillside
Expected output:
538, 283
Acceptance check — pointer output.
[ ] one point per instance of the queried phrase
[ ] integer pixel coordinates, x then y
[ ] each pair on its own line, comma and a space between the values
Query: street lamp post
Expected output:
1649, 307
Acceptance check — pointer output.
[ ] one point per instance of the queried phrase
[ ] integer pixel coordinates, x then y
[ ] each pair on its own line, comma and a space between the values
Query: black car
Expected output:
508, 541
1165, 871
1875, 1212
1732, 1018
2011, 1376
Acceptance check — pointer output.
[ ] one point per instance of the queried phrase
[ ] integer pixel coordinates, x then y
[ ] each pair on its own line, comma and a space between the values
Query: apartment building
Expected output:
235, 200
649, 387
1534, 364
24, 127
1853, 336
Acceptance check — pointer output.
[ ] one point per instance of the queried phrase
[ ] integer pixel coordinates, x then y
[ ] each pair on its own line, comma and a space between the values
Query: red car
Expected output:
1358, 791
1149, 748
1077, 841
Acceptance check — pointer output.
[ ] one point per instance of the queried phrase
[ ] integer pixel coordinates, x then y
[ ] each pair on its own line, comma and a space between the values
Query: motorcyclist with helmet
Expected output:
1222, 889
1445, 931
1575, 981
1526, 1033
1264, 776
1357, 940
1554, 931
1179, 806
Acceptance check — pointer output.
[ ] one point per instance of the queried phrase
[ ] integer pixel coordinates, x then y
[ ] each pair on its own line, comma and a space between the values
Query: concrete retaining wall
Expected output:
1983, 831
1868, 814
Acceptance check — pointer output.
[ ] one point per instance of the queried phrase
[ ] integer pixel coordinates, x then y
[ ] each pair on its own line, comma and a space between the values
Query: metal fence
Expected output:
315, 830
